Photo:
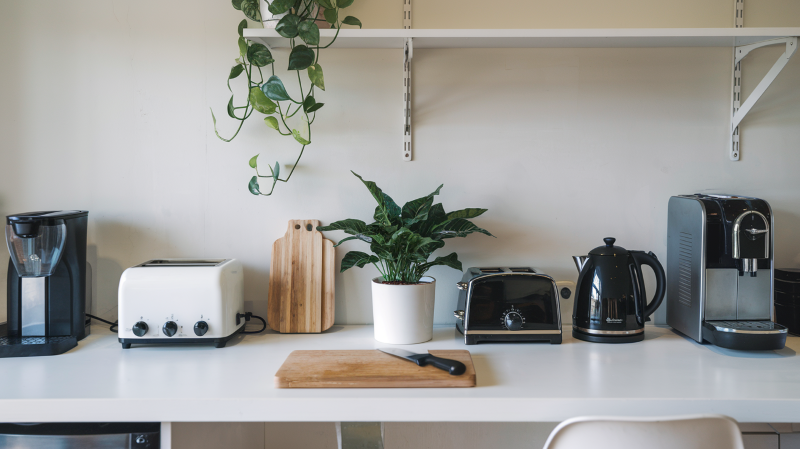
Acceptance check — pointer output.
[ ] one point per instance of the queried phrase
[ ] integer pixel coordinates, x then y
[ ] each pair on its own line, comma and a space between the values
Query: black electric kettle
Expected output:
610, 304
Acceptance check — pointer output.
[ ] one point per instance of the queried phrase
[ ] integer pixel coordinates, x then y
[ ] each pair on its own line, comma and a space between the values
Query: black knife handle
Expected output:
454, 367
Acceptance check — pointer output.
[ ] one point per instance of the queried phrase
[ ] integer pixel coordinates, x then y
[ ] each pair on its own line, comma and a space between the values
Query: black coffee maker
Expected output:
46, 283
611, 303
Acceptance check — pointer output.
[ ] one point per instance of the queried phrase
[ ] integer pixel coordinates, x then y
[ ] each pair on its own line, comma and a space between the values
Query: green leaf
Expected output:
272, 122
466, 213
308, 102
253, 161
276, 171
357, 259
327, 4
251, 10
350, 20
301, 58
237, 4
355, 237
242, 26
382, 212
316, 77
299, 138
331, 15
314, 108
259, 55
242, 47
457, 227
274, 89
343, 3
350, 226
436, 215
260, 102
417, 210
309, 32
231, 111
280, 6
253, 186
287, 26
450, 260
236, 71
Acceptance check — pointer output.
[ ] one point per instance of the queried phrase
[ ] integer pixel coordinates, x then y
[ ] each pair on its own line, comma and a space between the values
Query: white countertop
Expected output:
664, 375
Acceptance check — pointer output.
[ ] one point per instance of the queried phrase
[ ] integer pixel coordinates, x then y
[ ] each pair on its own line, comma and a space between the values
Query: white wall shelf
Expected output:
536, 38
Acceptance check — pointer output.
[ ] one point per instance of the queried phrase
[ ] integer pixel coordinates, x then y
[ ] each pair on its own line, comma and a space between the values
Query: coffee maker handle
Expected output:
650, 259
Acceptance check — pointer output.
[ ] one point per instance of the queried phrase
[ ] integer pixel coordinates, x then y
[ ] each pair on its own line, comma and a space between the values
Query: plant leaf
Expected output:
357, 259
384, 211
308, 102
242, 26
280, 6
242, 47
457, 227
299, 138
436, 215
272, 122
314, 108
276, 171
417, 210
237, 4
274, 89
301, 58
350, 226
466, 213
259, 55
331, 15
252, 186
231, 111
251, 10
260, 102
316, 77
450, 260
253, 161
287, 26
236, 71
350, 20
327, 4
309, 32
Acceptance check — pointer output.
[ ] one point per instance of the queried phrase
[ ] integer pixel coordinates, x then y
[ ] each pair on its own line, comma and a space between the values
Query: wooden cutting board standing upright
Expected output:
301, 290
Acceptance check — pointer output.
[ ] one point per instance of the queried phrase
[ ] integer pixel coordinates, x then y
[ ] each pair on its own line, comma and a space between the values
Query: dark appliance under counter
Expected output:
80, 435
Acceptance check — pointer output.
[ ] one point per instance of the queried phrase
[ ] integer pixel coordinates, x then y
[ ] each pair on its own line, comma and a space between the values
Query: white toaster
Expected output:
181, 301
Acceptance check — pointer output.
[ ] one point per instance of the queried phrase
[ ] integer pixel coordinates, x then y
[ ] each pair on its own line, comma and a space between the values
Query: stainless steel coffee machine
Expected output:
720, 271
46, 283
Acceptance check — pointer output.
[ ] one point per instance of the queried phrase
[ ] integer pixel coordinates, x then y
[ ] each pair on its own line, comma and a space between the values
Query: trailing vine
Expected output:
270, 97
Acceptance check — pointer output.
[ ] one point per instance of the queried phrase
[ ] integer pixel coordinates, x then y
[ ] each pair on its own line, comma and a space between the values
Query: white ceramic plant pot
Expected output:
403, 314
266, 16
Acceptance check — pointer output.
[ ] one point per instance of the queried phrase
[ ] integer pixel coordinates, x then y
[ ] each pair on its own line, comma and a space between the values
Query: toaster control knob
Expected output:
200, 328
513, 321
139, 329
170, 328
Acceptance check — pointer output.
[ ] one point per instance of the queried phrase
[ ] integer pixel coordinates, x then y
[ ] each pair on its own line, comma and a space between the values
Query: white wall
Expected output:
105, 108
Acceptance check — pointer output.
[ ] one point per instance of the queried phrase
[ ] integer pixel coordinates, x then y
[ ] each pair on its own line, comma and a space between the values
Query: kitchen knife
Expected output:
454, 367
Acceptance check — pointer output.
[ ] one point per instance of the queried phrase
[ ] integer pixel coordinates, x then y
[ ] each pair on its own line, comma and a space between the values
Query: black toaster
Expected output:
499, 304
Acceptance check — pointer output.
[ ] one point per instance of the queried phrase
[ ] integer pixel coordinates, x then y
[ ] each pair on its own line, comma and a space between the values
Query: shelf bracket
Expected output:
408, 53
740, 110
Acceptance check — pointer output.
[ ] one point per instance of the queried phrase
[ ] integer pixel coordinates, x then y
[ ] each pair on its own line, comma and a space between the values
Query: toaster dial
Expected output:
513, 320
139, 329
200, 328
170, 328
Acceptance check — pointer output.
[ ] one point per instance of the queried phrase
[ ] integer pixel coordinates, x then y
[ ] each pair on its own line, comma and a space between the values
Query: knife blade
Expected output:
454, 367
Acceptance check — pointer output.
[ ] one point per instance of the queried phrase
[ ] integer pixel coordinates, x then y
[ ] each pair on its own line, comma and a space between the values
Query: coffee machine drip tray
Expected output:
35, 346
745, 335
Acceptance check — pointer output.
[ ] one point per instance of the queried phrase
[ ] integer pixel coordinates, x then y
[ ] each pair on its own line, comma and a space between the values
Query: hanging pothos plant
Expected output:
270, 97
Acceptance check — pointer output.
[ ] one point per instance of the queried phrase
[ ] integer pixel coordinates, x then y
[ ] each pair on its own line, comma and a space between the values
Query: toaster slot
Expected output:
491, 270
183, 263
522, 270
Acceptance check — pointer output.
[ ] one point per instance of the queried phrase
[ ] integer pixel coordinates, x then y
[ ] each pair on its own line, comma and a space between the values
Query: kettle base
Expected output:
607, 338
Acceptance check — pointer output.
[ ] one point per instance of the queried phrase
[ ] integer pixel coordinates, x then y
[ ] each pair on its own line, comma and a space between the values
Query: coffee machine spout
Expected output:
580, 261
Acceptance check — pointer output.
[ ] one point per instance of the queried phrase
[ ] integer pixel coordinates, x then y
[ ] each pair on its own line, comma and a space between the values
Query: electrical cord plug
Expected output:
247, 317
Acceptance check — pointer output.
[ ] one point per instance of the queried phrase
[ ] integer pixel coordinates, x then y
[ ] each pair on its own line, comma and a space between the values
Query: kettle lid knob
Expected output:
609, 241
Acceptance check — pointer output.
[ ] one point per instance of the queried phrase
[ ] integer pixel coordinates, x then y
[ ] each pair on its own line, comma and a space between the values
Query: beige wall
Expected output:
105, 107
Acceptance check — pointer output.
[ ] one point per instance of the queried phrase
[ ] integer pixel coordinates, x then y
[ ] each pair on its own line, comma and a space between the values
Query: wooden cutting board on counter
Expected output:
369, 369
301, 289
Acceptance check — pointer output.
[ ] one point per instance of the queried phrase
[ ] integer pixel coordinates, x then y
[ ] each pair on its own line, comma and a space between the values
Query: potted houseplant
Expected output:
290, 114
401, 242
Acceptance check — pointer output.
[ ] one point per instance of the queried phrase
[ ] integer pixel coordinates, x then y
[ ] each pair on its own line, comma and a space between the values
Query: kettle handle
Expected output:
641, 258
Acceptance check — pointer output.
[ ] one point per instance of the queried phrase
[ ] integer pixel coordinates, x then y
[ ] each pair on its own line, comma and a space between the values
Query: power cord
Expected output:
113, 325
247, 317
